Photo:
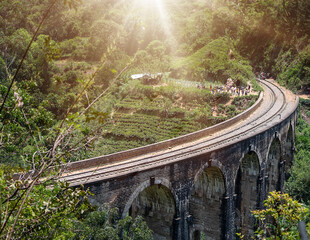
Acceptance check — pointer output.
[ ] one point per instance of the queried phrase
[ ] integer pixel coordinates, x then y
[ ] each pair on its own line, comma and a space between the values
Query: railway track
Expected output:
268, 114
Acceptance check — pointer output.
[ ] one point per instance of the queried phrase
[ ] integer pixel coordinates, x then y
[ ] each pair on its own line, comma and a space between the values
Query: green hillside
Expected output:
147, 113
66, 91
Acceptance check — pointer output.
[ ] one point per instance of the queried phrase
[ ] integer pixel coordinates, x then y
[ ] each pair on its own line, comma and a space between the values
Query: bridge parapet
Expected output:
207, 185
164, 145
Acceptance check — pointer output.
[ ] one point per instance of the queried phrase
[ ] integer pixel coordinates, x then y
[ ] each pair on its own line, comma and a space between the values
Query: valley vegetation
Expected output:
74, 98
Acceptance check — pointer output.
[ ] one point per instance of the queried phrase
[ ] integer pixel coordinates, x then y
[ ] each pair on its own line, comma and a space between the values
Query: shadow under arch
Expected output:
212, 163
247, 192
156, 204
274, 167
207, 205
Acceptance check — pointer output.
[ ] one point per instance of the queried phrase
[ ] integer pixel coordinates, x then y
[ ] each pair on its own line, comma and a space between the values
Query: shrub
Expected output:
295, 72
219, 98
71, 77
279, 218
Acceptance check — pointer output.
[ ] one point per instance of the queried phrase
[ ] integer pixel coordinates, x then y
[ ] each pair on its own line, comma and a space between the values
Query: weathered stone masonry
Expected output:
205, 190
211, 194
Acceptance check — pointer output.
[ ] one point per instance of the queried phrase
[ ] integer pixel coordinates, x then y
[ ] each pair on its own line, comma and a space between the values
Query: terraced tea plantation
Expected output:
144, 114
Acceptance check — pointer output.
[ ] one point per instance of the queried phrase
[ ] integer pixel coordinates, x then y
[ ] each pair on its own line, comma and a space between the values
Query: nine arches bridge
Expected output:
204, 182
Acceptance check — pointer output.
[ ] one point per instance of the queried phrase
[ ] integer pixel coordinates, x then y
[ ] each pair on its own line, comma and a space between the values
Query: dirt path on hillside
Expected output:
230, 100
305, 117
291, 97
303, 113
305, 96
302, 110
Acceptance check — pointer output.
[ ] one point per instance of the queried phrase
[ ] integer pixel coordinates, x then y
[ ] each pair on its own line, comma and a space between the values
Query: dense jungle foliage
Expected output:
77, 56
298, 185
73, 92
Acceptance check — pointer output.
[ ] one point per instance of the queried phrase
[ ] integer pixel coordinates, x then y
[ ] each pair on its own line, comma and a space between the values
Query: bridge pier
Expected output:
208, 187
229, 229
182, 221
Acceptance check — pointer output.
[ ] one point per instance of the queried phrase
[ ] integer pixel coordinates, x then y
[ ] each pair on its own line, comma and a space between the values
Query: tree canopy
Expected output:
60, 57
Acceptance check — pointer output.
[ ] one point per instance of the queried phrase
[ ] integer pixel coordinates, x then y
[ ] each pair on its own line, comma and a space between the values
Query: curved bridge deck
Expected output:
275, 105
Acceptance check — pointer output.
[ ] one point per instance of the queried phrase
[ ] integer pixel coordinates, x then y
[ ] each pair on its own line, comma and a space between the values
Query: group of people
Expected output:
243, 91
202, 86
262, 75
236, 91
229, 87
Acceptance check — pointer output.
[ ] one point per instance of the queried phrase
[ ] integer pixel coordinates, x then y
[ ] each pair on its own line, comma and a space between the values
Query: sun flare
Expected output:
159, 11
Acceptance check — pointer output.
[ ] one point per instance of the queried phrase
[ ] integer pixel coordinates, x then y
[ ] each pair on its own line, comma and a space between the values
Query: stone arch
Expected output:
247, 188
154, 201
207, 206
289, 151
274, 169
140, 188
257, 151
211, 163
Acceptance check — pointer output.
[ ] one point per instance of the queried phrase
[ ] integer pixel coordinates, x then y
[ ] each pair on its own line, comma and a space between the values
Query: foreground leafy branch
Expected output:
35, 204
104, 223
279, 219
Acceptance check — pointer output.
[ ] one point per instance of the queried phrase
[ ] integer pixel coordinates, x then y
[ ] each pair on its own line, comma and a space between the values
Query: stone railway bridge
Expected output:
205, 182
